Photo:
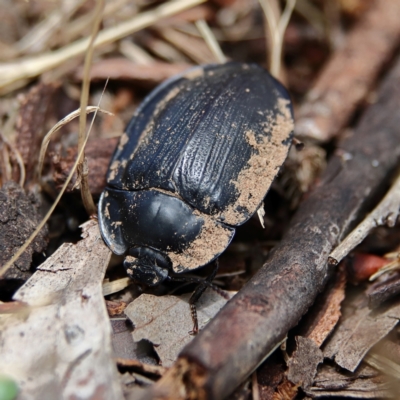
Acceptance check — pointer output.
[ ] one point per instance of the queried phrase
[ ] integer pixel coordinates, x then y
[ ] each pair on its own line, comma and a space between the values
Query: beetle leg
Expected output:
193, 314
197, 294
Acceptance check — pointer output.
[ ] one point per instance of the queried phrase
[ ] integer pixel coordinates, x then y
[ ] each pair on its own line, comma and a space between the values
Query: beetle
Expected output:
195, 162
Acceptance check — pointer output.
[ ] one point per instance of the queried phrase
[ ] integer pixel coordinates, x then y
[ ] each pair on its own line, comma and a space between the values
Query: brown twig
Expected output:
385, 213
251, 325
351, 72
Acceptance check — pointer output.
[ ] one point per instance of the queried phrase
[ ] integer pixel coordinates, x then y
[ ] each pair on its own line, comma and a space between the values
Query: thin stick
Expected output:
385, 213
87, 198
211, 40
33, 66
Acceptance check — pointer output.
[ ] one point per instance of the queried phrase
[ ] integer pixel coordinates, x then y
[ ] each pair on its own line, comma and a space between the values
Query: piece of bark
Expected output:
302, 365
359, 330
123, 69
165, 321
323, 316
366, 383
63, 349
31, 122
273, 301
314, 328
19, 216
98, 154
383, 291
351, 72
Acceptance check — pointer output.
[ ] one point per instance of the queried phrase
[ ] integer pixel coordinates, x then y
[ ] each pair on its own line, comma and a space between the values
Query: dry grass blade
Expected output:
115, 286
381, 363
58, 126
312, 14
15, 257
38, 37
18, 157
87, 198
277, 26
33, 66
211, 40
392, 266
135, 53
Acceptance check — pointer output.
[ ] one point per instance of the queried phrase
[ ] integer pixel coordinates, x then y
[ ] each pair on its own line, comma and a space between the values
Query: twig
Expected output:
385, 213
32, 66
351, 72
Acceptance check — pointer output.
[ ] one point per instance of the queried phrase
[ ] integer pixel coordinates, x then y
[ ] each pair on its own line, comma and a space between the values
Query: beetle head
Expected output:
147, 266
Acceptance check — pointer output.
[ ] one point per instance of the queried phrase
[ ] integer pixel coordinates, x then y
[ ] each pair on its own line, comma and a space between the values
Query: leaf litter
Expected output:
57, 325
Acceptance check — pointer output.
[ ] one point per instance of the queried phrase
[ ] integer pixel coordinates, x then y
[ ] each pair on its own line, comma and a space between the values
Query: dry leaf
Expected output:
165, 321
359, 329
63, 348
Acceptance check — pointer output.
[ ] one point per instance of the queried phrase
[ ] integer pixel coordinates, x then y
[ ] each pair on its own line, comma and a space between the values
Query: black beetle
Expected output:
197, 160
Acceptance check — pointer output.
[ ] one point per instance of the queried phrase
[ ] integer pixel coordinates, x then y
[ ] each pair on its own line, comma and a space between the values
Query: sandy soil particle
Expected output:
211, 241
270, 153
123, 141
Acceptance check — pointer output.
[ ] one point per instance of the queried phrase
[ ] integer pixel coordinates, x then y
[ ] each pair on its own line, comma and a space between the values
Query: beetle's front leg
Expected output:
196, 296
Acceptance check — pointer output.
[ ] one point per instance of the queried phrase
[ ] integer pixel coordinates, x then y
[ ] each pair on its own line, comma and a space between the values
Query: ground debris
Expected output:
302, 366
323, 316
330, 104
165, 321
31, 122
63, 348
365, 383
18, 218
360, 328
380, 292
57, 339
98, 153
